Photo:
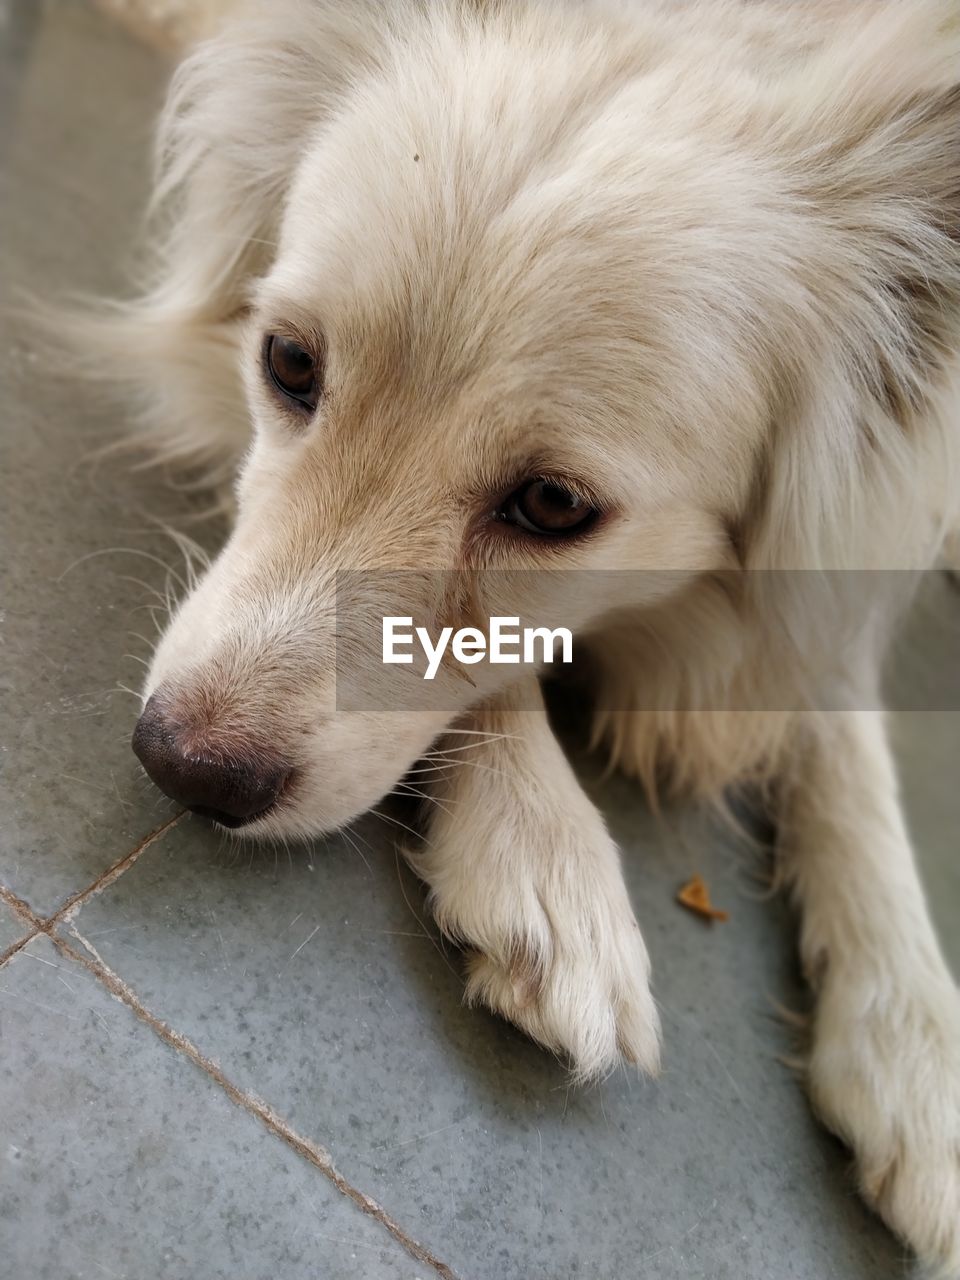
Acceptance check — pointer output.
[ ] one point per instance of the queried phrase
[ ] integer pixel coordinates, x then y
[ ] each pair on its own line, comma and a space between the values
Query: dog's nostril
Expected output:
232, 789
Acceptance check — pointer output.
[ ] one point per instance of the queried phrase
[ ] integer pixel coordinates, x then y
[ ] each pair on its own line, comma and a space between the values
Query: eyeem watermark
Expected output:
505, 642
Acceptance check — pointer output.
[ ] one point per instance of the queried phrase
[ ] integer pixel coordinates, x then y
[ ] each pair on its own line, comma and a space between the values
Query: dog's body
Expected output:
697, 264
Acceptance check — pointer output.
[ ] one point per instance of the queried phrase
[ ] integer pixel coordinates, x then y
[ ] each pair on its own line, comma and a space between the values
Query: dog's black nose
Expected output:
231, 787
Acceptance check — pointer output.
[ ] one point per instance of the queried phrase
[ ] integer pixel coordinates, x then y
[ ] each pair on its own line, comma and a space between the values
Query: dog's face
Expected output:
504, 327
455, 362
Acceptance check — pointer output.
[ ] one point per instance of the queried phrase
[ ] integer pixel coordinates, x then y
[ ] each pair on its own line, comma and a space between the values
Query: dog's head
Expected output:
516, 287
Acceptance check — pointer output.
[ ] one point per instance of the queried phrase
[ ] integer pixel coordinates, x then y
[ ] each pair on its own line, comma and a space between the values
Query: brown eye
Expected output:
549, 508
292, 370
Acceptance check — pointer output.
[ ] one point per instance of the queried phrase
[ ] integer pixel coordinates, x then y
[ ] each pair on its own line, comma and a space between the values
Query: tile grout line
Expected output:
64, 914
249, 1102
22, 911
20, 907
17, 946
246, 1101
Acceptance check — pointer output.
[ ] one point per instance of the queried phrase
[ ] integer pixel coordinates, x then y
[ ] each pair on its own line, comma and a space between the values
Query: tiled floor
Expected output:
216, 1064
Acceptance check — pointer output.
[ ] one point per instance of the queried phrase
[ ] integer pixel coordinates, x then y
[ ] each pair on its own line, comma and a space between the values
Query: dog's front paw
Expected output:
884, 1074
552, 942
584, 993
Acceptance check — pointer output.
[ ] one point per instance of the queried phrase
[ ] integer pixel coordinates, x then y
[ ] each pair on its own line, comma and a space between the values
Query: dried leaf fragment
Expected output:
695, 896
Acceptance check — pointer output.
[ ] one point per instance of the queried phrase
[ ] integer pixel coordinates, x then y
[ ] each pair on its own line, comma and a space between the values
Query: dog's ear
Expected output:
240, 110
862, 454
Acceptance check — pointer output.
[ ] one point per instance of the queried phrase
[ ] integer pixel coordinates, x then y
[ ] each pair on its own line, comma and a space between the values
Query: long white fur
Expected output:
703, 255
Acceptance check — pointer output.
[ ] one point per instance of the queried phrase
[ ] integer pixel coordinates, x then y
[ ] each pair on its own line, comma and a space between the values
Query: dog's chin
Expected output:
238, 826
288, 818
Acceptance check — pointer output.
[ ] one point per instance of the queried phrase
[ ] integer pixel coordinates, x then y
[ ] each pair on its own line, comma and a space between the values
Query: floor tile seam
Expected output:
21, 908
26, 915
68, 910
66, 913
17, 946
315, 1154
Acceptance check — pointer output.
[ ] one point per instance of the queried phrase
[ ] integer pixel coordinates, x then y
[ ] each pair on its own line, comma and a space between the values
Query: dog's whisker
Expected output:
437, 753
476, 764
112, 551
351, 839
483, 733
151, 609
136, 635
385, 817
416, 915
145, 586
221, 237
136, 658
400, 791
437, 770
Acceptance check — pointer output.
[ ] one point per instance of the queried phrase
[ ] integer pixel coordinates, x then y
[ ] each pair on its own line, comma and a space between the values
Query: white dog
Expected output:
512, 284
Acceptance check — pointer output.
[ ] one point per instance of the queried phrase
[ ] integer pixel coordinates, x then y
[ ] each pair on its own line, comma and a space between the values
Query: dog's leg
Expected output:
523, 873
884, 1065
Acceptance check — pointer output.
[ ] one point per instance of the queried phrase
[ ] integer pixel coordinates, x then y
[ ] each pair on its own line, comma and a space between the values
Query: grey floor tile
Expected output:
118, 1158
76, 529
312, 980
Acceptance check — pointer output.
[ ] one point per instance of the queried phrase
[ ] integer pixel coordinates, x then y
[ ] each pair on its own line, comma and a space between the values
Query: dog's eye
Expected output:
292, 370
549, 508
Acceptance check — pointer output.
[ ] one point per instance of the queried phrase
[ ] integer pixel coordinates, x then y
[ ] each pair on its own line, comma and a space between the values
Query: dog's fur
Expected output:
703, 257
